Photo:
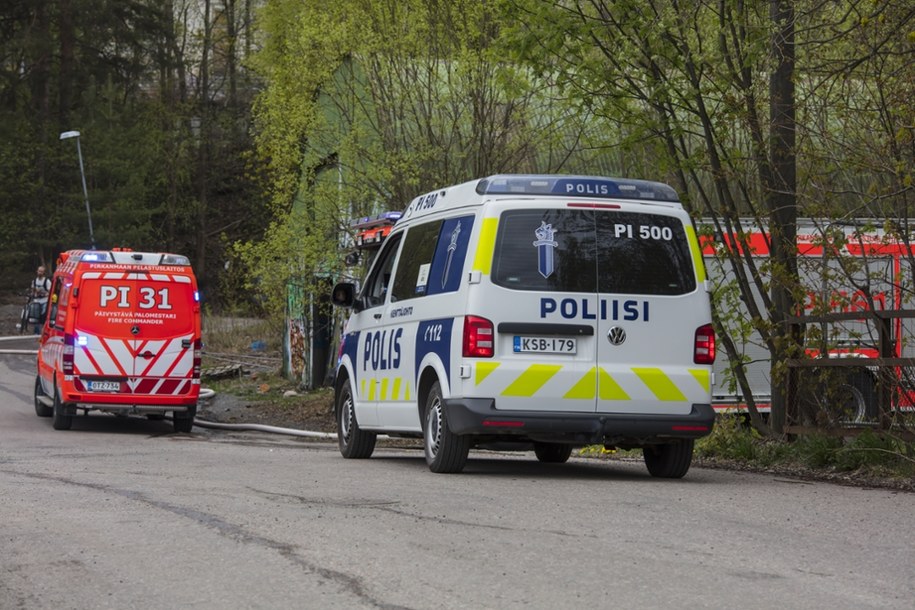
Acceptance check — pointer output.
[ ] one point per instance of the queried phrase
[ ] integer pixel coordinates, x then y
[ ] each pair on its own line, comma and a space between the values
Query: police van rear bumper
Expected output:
478, 416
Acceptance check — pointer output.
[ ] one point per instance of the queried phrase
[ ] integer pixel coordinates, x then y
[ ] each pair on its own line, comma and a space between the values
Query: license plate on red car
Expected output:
104, 386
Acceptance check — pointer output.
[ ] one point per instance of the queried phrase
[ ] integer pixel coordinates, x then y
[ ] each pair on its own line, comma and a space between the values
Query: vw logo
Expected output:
616, 335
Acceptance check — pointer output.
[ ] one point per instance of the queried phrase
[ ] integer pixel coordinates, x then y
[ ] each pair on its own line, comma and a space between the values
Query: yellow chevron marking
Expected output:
696, 252
531, 380
609, 389
660, 384
482, 261
585, 388
406, 392
702, 376
362, 388
395, 391
483, 369
384, 389
372, 383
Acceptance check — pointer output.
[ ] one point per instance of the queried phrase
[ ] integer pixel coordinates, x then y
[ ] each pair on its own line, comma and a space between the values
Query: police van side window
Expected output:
412, 276
376, 285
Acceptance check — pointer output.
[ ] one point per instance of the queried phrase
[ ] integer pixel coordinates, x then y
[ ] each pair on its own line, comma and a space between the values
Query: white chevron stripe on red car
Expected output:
121, 358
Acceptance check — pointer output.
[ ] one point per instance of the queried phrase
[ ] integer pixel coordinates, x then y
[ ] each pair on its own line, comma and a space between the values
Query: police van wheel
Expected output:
445, 451
41, 409
552, 453
61, 420
354, 442
670, 460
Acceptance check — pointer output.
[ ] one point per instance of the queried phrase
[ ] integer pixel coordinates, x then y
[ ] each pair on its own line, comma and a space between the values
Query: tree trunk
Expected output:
203, 161
231, 52
781, 198
67, 62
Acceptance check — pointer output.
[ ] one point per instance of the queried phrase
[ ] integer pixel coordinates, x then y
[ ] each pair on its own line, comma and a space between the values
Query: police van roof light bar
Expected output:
577, 186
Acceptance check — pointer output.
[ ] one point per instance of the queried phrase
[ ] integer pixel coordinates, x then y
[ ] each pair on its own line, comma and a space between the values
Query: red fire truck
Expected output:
847, 268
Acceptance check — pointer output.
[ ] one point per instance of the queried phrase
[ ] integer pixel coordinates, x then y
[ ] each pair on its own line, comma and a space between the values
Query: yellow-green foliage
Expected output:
868, 452
368, 104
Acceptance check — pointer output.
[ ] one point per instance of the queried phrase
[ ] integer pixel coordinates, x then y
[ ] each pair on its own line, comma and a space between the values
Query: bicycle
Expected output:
30, 315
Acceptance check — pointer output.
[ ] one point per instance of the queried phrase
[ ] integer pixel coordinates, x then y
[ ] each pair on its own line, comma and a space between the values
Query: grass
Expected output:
237, 335
870, 453
255, 388
870, 457
253, 343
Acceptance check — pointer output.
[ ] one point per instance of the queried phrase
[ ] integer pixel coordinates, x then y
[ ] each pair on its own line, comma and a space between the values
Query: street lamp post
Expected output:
75, 134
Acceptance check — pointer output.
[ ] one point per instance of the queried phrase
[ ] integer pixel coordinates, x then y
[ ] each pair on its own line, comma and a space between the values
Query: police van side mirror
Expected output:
344, 295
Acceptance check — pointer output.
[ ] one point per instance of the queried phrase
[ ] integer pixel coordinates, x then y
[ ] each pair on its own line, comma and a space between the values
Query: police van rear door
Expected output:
651, 307
544, 306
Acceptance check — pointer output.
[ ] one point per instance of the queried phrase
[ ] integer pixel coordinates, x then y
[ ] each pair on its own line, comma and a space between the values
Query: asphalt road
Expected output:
122, 513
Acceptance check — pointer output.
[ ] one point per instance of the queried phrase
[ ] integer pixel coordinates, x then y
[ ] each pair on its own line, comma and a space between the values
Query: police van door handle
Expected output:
147, 354
377, 316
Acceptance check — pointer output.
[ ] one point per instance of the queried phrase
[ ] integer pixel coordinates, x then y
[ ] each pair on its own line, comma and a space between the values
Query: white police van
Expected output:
532, 310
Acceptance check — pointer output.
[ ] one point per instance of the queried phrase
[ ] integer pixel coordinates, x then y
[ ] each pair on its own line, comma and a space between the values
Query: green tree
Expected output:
164, 149
710, 86
370, 102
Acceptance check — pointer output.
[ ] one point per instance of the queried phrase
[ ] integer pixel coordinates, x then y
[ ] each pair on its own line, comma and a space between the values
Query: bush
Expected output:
730, 439
870, 453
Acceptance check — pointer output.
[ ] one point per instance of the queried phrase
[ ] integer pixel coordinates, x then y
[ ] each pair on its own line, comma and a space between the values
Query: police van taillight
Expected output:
198, 353
67, 357
704, 346
478, 337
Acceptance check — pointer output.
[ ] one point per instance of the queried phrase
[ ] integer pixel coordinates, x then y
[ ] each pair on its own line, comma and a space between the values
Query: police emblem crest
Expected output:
451, 249
545, 245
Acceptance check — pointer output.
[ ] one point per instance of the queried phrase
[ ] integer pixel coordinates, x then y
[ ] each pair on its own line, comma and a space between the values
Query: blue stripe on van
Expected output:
350, 348
450, 252
434, 337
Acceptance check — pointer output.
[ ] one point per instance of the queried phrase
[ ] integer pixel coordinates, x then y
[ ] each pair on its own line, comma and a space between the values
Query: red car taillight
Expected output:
478, 337
67, 357
704, 347
198, 353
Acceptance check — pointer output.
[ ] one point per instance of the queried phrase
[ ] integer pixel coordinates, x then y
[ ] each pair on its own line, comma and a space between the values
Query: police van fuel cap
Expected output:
576, 186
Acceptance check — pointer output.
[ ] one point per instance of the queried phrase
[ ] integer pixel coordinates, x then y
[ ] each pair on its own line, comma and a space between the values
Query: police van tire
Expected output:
61, 420
669, 460
354, 442
553, 453
445, 451
41, 409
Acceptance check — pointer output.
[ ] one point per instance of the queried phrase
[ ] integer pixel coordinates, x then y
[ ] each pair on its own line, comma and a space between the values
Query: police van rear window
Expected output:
571, 250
